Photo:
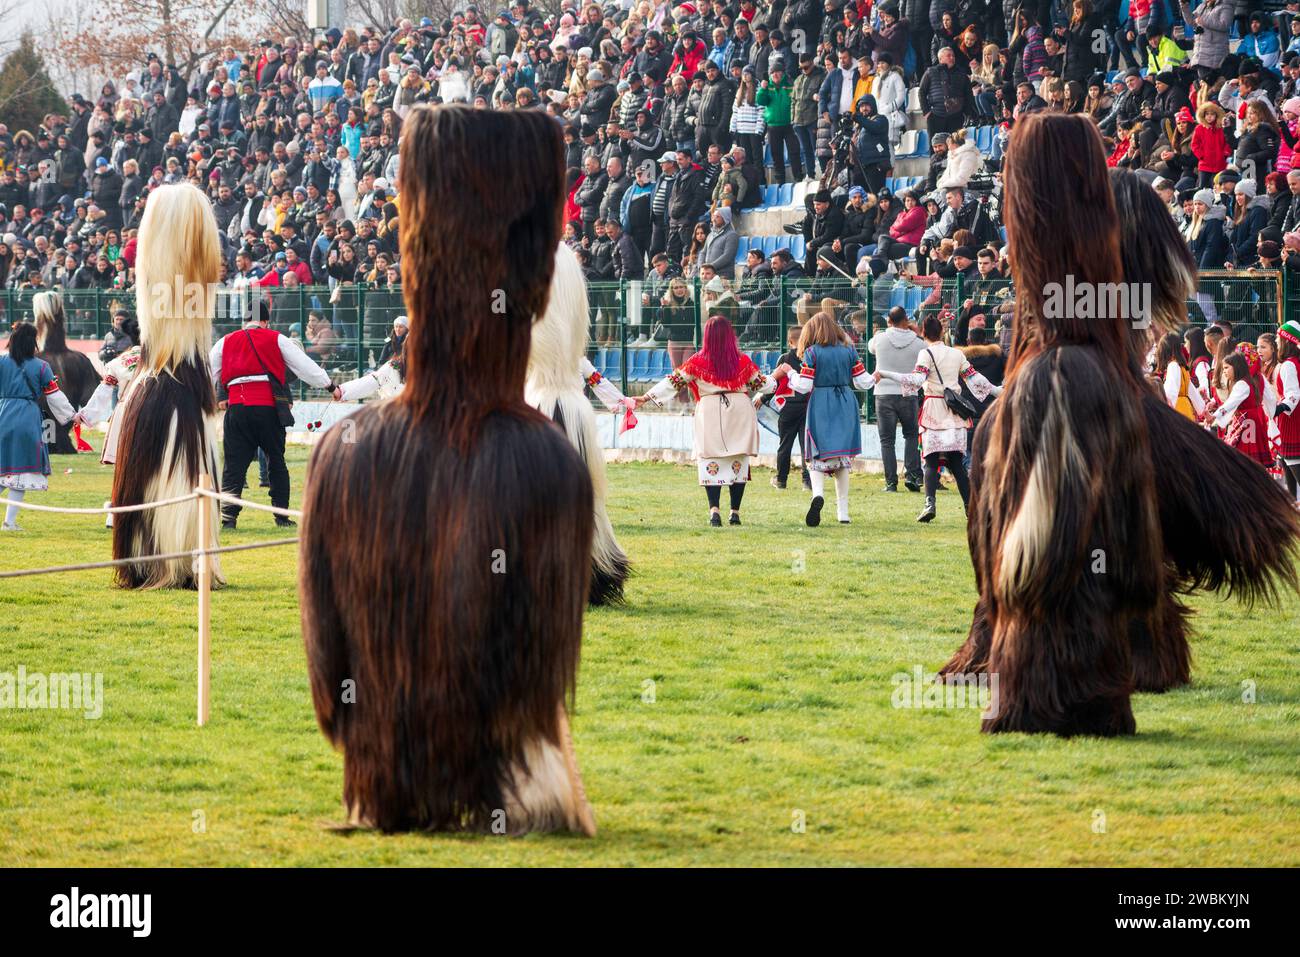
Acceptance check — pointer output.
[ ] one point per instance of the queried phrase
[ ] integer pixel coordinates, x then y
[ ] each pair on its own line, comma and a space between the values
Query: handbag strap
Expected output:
934, 364
253, 345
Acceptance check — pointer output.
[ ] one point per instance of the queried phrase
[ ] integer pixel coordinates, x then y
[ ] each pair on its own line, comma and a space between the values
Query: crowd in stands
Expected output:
676, 118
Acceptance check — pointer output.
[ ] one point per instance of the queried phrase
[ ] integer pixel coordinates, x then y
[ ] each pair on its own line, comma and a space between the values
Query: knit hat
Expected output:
965, 252
1227, 176
1246, 188
1271, 250
1292, 106
1205, 196
1185, 115
1290, 330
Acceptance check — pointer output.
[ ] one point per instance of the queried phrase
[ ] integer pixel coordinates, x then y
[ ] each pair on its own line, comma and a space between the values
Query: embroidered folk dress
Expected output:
939, 367
1288, 423
726, 425
832, 432
1179, 392
24, 461
1244, 422
117, 374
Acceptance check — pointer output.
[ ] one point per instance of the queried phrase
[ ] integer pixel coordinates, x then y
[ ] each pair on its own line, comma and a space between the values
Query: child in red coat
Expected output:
1209, 144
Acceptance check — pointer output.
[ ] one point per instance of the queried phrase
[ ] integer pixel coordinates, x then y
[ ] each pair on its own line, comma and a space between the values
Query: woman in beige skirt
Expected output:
721, 379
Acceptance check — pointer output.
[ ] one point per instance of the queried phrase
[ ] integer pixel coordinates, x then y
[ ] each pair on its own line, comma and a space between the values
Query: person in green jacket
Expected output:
774, 95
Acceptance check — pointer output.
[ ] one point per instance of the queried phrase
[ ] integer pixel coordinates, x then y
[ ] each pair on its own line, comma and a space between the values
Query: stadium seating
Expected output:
915, 143
797, 247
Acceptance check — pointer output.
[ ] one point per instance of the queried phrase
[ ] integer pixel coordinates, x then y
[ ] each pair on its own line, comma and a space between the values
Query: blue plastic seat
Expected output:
786, 194
797, 247
898, 296
741, 250
598, 360
660, 365
613, 364
915, 296
770, 244
638, 362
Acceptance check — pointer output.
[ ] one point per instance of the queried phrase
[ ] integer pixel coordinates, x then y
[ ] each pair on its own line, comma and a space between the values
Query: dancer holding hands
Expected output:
832, 436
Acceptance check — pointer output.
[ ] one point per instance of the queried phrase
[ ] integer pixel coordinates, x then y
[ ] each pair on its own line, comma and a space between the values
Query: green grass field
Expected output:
771, 649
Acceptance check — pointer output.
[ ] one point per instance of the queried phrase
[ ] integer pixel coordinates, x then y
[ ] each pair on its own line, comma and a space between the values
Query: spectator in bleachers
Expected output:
905, 232
822, 225
803, 108
774, 95
964, 161
721, 244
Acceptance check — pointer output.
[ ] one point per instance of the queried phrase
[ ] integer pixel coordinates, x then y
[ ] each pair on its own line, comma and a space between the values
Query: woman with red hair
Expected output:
720, 378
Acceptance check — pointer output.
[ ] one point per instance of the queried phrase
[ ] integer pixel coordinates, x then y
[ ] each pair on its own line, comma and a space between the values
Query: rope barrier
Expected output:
194, 553
103, 509
223, 497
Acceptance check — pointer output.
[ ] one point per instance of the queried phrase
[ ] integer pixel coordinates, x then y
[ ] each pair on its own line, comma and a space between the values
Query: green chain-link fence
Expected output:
641, 330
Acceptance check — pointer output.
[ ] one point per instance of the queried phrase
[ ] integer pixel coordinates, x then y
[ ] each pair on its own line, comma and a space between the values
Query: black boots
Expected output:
814, 516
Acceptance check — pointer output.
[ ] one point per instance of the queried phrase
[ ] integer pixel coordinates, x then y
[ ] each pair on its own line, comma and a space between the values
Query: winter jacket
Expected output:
872, 136
963, 163
775, 100
715, 104
1244, 234
803, 103
1210, 248
1215, 19
891, 97
720, 247
747, 118
1211, 148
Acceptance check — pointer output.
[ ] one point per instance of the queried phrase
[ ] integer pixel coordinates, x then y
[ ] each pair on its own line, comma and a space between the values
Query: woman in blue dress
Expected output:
24, 379
832, 433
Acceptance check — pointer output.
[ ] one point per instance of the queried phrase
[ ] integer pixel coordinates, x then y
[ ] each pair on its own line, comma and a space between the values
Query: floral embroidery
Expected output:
711, 468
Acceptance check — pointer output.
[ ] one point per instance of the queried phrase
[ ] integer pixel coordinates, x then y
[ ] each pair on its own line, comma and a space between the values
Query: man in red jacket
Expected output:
246, 366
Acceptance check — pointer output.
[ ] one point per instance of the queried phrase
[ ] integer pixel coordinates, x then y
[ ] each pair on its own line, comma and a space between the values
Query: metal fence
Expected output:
641, 330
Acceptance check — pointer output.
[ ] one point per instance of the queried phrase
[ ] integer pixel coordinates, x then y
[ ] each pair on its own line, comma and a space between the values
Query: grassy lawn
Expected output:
770, 649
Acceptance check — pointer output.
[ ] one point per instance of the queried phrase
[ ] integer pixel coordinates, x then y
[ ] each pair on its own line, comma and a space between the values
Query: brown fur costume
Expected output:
446, 541
75, 372
1089, 509
1192, 468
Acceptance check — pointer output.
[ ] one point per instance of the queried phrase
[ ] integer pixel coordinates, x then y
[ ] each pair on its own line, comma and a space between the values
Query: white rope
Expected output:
113, 510
195, 553
243, 503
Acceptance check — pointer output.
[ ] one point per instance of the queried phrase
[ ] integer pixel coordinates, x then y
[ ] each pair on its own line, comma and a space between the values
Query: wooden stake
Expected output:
205, 600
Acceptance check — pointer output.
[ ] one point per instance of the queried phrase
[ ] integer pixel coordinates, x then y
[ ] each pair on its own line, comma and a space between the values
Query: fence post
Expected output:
205, 599
620, 302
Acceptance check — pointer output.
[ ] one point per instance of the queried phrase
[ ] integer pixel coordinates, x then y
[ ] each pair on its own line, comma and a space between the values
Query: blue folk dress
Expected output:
24, 461
832, 433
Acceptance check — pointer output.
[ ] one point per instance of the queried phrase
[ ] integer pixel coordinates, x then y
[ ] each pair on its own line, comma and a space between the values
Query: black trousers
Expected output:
893, 411
247, 429
790, 423
780, 137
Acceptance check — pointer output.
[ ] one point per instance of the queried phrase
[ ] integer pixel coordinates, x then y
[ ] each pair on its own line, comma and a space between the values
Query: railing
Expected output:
636, 338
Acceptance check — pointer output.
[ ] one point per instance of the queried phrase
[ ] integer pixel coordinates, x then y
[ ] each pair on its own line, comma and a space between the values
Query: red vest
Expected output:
238, 360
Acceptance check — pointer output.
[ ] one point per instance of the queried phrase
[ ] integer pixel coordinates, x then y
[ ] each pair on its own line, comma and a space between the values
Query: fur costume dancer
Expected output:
1191, 467
1054, 493
554, 387
168, 416
446, 541
75, 372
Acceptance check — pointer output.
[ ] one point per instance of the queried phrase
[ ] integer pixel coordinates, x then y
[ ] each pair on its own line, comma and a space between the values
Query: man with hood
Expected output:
647, 141
872, 142
896, 348
719, 250
635, 208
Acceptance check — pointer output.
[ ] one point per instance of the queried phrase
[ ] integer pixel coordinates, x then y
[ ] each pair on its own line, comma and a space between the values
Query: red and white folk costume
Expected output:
118, 374
939, 367
248, 363
1286, 418
726, 426
386, 381
1242, 419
